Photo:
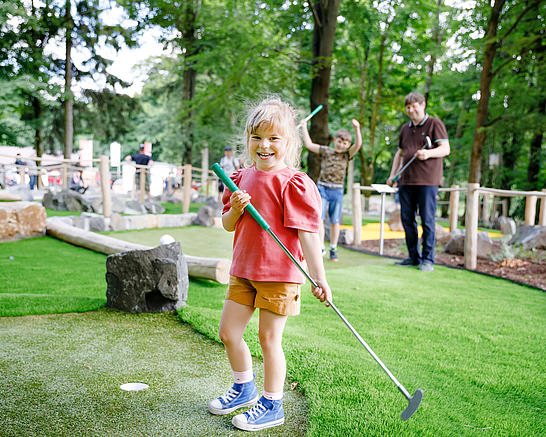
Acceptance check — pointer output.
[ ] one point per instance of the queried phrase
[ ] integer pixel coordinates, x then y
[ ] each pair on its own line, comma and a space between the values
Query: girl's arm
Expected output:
238, 200
310, 243
358, 141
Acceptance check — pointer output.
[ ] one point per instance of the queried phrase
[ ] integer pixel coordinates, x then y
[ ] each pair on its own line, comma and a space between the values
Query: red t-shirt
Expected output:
288, 200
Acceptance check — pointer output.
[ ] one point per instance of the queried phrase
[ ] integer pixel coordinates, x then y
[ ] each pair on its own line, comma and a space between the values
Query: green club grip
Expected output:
232, 187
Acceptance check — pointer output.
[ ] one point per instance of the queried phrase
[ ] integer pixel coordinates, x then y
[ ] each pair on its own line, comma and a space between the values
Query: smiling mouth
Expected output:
264, 155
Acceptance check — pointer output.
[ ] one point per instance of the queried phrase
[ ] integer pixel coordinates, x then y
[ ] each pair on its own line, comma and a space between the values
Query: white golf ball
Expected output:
166, 239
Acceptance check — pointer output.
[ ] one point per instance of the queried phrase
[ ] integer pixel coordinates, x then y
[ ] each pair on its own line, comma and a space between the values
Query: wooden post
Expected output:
505, 211
530, 210
357, 215
3, 177
350, 177
205, 168
471, 237
486, 216
104, 168
142, 187
453, 208
542, 214
65, 175
187, 188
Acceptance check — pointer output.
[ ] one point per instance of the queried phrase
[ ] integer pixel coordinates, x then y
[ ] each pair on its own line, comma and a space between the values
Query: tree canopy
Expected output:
480, 64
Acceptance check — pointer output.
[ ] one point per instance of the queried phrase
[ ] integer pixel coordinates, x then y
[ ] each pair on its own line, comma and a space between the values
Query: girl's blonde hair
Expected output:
274, 112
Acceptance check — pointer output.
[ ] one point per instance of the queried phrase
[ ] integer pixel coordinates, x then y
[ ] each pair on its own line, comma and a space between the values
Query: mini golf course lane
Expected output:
61, 375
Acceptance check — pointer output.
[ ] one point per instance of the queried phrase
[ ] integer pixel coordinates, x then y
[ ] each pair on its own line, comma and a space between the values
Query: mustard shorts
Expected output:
278, 297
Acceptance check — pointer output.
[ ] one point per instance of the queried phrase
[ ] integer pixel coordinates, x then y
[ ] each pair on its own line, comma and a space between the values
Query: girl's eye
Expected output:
274, 139
255, 137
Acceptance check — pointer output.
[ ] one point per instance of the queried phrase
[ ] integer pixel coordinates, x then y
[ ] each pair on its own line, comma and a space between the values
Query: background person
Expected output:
262, 276
141, 158
229, 164
418, 184
333, 166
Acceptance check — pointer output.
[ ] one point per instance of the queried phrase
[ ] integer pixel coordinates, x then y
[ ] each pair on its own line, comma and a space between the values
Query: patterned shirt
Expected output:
333, 166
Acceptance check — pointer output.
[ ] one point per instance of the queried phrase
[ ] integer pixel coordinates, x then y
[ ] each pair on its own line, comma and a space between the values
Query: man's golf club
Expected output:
414, 400
428, 145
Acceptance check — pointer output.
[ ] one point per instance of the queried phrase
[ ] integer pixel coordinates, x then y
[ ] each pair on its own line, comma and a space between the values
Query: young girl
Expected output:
262, 275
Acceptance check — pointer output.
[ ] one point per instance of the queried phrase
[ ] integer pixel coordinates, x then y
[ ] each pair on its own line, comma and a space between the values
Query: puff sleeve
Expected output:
236, 178
302, 204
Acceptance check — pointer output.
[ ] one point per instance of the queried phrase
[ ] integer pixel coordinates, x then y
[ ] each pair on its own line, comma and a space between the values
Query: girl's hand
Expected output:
322, 292
355, 122
239, 200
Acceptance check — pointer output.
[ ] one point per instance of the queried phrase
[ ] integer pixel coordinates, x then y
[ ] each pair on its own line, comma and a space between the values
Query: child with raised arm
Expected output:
333, 166
262, 276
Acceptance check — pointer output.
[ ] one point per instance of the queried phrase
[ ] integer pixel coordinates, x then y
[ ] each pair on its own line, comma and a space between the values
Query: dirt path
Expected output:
60, 375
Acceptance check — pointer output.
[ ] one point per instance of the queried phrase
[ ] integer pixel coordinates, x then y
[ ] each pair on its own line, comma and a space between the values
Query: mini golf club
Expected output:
310, 116
428, 145
414, 400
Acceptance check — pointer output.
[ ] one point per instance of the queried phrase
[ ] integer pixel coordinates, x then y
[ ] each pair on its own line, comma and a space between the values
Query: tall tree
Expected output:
510, 16
325, 13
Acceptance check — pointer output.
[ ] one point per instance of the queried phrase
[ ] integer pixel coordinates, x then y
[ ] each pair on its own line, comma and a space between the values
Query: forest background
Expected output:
480, 64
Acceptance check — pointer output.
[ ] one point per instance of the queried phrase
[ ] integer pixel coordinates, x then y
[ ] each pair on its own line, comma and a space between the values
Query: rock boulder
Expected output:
20, 220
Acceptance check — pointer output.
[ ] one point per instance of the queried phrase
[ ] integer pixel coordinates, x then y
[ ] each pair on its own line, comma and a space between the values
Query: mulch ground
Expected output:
530, 271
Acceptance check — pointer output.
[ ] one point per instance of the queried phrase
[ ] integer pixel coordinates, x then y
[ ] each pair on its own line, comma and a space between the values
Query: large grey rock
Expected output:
442, 234
346, 236
530, 237
205, 216
66, 200
154, 207
134, 207
395, 221
506, 225
154, 280
21, 190
455, 246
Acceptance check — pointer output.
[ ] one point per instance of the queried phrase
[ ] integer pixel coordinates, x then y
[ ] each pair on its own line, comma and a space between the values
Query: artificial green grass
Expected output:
473, 343
60, 376
45, 275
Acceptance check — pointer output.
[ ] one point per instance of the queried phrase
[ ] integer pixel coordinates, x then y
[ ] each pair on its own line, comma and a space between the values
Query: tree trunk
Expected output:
68, 97
189, 38
533, 168
491, 46
325, 14
37, 107
365, 159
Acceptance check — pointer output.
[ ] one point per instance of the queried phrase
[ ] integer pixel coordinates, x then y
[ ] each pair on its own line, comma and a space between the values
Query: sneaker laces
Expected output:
229, 396
256, 411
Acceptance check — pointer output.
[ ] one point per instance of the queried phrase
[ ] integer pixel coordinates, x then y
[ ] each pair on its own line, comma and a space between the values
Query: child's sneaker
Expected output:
238, 396
333, 254
265, 414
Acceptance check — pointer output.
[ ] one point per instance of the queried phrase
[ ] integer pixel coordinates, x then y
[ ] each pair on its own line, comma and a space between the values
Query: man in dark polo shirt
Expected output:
419, 182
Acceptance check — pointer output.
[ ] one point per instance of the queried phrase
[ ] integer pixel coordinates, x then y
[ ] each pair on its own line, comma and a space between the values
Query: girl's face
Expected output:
267, 147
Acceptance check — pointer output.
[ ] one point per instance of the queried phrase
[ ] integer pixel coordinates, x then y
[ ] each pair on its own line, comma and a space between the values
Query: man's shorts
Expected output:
332, 201
278, 297
146, 182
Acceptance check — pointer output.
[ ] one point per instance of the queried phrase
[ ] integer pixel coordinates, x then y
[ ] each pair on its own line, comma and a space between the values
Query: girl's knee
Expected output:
227, 337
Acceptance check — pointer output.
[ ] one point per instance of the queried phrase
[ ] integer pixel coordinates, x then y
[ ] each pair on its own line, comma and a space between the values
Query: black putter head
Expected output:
414, 402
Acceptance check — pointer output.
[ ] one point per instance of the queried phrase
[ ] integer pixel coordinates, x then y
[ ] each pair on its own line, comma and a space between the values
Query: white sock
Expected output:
273, 396
333, 247
242, 377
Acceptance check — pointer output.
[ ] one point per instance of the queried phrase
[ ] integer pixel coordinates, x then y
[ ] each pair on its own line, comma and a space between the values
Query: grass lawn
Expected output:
473, 343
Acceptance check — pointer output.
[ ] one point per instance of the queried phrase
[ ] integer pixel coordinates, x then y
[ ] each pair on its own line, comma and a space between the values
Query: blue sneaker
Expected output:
238, 396
265, 414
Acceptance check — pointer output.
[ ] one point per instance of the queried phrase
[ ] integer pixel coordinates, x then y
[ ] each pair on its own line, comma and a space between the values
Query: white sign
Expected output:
115, 154
86, 153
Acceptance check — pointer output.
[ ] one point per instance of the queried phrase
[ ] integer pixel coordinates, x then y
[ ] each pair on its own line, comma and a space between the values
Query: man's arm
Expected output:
396, 165
442, 150
358, 139
307, 142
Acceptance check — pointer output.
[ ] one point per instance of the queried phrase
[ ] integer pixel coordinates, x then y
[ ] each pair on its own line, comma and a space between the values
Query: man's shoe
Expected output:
407, 262
333, 255
265, 414
238, 396
426, 266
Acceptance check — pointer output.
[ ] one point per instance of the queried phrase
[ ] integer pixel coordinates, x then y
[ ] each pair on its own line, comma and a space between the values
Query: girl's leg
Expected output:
235, 318
271, 328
